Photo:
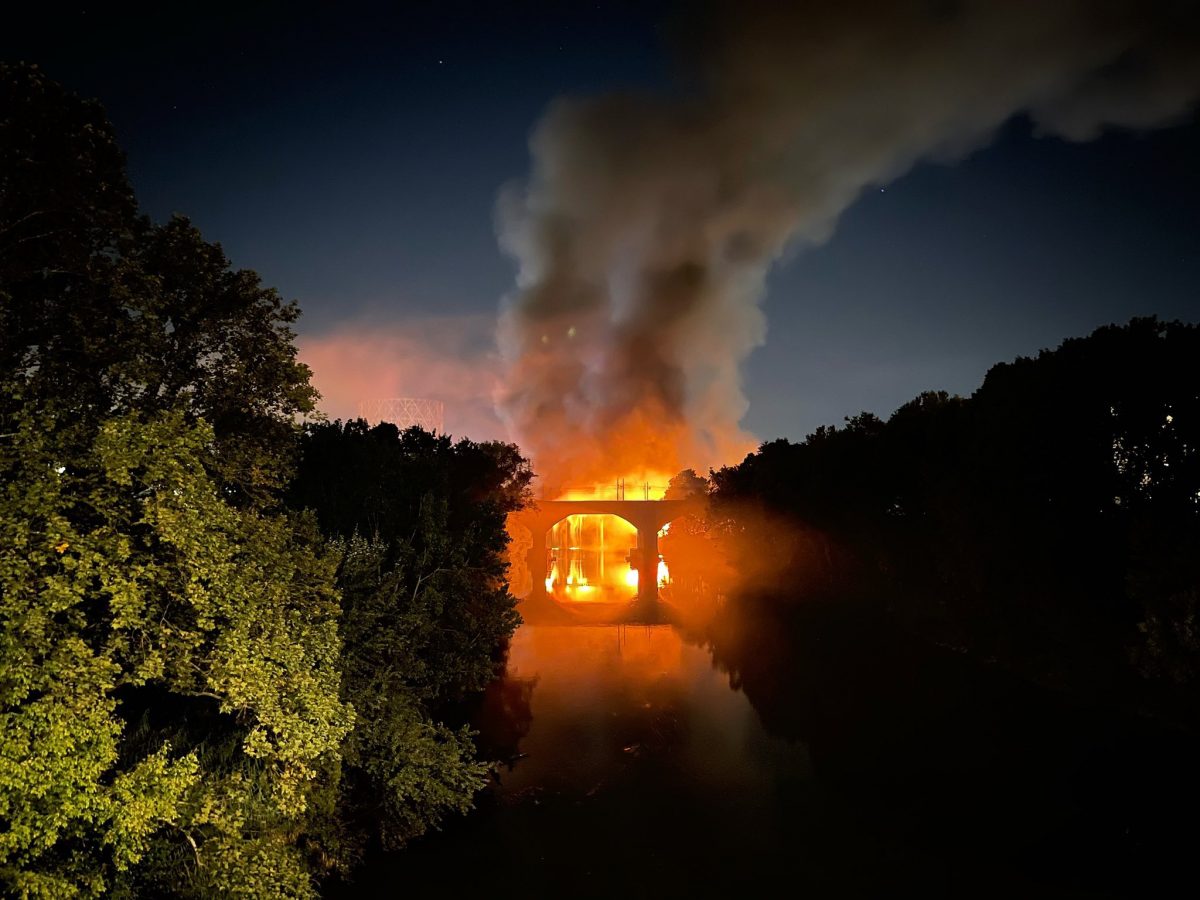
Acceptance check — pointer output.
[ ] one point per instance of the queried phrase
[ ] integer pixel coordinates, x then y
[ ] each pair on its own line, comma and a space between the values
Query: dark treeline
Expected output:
1050, 522
418, 523
229, 642
899, 595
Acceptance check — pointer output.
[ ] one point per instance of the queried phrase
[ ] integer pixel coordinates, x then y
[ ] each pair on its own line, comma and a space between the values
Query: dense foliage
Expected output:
105, 313
187, 666
1051, 520
420, 520
169, 669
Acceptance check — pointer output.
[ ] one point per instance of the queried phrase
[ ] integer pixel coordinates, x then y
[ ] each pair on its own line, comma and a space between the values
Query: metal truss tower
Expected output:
404, 412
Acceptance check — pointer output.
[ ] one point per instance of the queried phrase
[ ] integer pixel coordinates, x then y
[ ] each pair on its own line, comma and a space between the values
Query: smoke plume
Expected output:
648, 224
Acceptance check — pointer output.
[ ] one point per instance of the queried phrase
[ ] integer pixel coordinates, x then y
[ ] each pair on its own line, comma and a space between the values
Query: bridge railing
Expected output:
617, 490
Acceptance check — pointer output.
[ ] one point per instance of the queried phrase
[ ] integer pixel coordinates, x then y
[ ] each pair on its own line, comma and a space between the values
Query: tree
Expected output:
686, 486
420, 521
67, 216
1051, 520
169, 667
169, 684
108, 313
175, 695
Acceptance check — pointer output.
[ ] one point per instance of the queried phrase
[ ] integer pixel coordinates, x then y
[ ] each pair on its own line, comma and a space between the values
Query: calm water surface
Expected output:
639, 768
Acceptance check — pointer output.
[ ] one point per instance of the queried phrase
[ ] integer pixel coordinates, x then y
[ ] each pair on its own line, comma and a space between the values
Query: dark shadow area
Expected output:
882, 763
966, 766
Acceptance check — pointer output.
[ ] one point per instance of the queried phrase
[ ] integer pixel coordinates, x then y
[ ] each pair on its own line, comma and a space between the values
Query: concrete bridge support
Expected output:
647, 541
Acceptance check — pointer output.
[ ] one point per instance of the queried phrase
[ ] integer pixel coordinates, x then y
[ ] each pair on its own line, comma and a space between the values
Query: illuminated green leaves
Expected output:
163, 585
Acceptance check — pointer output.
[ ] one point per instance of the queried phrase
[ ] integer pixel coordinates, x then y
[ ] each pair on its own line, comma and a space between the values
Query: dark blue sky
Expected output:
352, 157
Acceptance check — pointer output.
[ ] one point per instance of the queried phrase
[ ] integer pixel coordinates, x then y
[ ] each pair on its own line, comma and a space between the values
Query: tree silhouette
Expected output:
1052, 519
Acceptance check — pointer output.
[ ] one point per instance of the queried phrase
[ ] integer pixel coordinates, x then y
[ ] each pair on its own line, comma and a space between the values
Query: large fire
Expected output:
649, 486
594, 557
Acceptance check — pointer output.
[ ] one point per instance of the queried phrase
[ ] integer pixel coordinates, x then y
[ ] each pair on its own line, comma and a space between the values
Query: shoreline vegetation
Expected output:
1049, 524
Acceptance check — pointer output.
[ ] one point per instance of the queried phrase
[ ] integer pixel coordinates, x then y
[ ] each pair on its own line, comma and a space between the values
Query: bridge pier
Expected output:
647, 538
536, 560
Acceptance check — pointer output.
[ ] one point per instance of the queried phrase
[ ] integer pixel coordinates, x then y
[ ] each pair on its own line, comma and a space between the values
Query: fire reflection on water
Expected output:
594, 558
611, 697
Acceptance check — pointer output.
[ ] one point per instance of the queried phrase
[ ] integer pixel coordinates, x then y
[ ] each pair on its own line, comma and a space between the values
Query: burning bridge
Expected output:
647, 516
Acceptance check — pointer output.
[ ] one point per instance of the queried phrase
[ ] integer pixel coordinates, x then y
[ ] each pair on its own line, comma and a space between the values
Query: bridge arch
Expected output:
648, 517
583, 512
591, 551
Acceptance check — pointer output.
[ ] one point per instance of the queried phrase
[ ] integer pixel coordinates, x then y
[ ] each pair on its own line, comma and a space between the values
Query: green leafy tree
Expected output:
176, 717
130, 584
170, 699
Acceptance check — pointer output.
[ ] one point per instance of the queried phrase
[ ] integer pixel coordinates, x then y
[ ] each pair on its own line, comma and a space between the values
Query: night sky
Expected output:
353, 158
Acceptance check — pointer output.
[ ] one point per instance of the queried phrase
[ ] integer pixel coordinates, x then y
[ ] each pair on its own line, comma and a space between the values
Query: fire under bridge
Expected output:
647, 516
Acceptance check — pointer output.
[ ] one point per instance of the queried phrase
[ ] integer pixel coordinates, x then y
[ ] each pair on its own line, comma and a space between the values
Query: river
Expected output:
846, 762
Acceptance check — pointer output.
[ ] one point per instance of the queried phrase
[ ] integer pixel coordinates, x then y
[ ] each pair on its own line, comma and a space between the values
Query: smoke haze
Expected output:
648, 224
447, 358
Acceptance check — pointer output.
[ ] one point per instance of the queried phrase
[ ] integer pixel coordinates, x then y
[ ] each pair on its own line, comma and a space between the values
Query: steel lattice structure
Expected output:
404, 412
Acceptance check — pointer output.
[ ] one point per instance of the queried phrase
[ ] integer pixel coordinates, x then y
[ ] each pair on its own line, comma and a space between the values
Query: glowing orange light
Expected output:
590, 552
645, 485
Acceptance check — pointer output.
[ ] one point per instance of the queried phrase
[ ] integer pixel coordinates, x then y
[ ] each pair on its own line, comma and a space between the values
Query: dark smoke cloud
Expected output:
648, 224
